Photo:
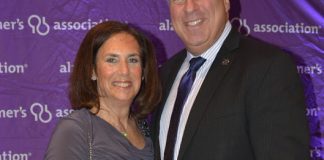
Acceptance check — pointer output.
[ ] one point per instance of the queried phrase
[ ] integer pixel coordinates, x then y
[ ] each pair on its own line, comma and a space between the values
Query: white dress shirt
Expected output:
209, 55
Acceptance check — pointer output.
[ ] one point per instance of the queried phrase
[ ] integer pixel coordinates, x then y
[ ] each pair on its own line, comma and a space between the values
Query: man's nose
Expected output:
190, 5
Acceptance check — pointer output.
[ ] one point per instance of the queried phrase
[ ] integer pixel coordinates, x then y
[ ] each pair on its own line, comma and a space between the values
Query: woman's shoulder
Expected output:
76, 121
79, 114
69, 139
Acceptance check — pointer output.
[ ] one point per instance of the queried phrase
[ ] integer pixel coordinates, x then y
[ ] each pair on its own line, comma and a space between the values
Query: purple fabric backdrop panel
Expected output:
298, 28
39, 40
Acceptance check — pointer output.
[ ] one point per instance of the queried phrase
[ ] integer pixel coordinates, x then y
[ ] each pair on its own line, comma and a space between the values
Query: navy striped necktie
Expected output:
183, 90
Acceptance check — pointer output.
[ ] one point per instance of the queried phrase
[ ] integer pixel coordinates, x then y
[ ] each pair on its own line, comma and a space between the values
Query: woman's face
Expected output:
118, 68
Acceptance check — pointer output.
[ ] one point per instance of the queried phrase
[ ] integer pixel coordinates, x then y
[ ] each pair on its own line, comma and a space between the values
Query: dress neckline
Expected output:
120, 135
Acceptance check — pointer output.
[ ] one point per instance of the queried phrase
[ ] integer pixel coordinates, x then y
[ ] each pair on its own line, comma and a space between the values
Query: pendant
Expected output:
124, 134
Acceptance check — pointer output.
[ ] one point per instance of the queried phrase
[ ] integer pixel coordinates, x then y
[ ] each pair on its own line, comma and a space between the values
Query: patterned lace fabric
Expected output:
144, 127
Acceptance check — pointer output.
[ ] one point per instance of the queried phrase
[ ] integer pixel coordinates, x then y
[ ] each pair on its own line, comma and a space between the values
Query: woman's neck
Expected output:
116, 115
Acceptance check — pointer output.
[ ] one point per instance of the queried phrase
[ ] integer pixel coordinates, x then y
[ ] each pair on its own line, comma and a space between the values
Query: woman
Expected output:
113, 87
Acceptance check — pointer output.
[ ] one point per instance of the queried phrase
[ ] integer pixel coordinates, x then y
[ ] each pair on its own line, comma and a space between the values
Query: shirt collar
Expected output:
211, 52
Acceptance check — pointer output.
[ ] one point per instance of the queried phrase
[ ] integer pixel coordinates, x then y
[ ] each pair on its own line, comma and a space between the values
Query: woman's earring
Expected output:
93, 77
142, 78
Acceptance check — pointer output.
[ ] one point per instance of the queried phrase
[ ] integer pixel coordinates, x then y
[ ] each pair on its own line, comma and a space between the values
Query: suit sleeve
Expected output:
69, 141
277, 117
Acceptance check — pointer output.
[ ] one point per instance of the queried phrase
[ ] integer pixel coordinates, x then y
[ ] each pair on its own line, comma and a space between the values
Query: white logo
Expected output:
12, 25
83, 25
66, 68
8, 155
166, 26
39, 113
243, 28
297, 28
314, 69
315, 152
313, 112
12, 69
37, 28
13, 113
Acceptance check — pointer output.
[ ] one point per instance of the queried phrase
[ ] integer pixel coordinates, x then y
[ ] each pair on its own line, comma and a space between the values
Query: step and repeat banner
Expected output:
39, 40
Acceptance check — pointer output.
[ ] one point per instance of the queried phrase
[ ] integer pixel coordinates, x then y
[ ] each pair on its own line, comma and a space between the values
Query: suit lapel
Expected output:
215, 75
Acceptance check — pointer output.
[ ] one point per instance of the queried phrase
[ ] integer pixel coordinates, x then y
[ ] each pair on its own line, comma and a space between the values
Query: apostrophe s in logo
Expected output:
241, 25
38, 25
40, 113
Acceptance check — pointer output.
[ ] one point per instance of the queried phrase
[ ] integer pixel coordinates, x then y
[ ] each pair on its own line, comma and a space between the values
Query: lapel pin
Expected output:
225, 61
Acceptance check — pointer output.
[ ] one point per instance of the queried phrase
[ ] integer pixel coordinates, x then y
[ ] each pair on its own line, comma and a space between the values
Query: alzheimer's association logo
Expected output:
40, 113
241, 25
38, 25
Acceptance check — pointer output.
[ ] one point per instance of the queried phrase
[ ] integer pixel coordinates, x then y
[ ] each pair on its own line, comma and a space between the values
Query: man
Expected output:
246, 101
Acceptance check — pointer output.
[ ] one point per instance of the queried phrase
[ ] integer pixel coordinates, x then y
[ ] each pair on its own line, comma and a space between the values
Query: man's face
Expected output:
199, 23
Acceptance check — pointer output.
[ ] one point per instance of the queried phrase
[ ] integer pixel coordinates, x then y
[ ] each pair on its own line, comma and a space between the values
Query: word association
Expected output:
9, 155
10, 68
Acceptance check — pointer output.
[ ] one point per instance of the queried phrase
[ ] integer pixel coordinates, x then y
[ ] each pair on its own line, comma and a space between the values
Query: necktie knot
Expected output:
196, 63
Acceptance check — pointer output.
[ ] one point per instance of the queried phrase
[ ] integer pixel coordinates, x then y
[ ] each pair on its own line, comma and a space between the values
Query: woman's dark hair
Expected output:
83, 91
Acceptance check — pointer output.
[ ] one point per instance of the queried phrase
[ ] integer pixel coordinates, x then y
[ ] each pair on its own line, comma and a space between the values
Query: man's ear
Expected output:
227, 5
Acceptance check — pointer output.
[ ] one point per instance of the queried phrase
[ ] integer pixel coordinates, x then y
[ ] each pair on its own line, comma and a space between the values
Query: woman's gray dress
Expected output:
75, 134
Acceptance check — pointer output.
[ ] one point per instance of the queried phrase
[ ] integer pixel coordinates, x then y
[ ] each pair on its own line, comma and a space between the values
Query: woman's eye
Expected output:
177, 1
111, 60
133, 60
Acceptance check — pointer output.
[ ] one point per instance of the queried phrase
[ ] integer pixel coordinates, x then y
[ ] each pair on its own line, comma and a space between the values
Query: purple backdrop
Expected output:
39, 39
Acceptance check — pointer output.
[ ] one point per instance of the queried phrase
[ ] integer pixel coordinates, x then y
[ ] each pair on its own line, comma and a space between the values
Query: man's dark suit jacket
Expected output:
249, 107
